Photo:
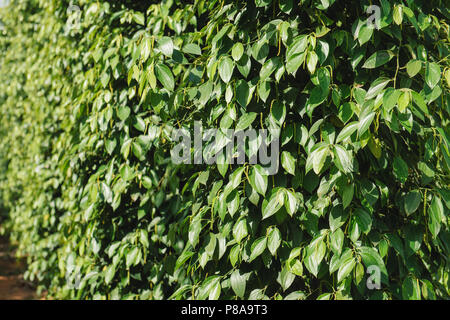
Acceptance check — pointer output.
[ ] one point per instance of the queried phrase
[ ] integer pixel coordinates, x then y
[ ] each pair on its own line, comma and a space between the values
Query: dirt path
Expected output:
12, 285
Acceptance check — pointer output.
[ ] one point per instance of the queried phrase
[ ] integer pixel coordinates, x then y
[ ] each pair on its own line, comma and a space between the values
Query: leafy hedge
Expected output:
95, 203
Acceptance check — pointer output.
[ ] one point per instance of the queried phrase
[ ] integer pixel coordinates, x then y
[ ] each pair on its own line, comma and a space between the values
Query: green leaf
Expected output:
236, 177
412, 201
383, 247
299, 45
131, 257
262, 3
185, 256
221, 33
264, 90
347, 194
278, 112
226, 67
311, 61
403, 101
413, 238
420, 102
337, 217
274, 204
194, 231
269, 67
123, 113
345, 269
286, 278
400, 169
214, 293
342, 159
139, 124
358, 55
240, 230
323, 52
166, 46
207, 287
359, 274
376, 87
447, 77
285, 31
337, 260
244, 65
243, 96
390, 98
291, 202
146, 48
428, 292
365, 123
238, 283
288, 162
337, 241
348, 130
398, 14
354, 230
378, 59
258, 179
365, 33
411, 289
110, 146
192, 48
286, 5
294, 62
317, 158
296, 267
222, 166
435, 216
375, 147
315, 253
139, 18
325, 296
109, 273
237, 51
432, 74
245, 121
87, 118
107, 193
370, 257
258, 246
260, 50
105, 79
363, 219
234, 254
413, 67
151, 78
233, 201
279, 73
165, 76
125, 148
274, 240
137, 150
180, 291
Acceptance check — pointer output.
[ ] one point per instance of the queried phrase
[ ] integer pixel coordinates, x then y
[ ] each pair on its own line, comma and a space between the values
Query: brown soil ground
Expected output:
12, 284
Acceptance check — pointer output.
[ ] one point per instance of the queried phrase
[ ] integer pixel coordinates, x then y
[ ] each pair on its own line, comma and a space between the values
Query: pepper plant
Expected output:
91, 92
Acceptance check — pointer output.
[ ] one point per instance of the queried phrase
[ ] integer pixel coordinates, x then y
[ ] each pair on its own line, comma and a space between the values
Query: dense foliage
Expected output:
90, 194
